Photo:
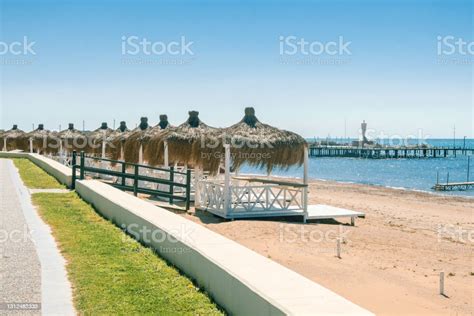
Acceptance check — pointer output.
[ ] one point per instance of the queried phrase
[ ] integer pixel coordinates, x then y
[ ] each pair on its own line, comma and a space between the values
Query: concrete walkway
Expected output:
32, 271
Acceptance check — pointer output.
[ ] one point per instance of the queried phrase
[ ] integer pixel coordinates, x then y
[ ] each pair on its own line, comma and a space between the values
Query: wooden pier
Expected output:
387, 152
454, 186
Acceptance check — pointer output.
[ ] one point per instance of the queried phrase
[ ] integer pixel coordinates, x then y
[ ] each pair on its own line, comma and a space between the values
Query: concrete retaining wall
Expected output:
240, 280
7, 154
62, 173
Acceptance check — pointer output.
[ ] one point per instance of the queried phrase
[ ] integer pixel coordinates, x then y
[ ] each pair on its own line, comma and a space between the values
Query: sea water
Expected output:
412, 173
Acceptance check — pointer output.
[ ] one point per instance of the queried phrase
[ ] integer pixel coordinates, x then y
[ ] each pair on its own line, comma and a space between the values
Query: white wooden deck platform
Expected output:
321, 211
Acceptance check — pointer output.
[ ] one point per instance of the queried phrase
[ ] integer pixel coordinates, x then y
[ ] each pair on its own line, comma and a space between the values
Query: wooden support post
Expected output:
140, 155
165, 152
227, 195
61, 153
441, 283
197, 178
338, 247
103, 143
305, 182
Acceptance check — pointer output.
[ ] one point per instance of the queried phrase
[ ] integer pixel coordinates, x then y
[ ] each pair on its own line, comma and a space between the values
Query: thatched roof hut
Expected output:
70, 139
117, 144
95, 138
141, 138
153, 151
39, 139
187, 144
131, 141
120, 132
11, 137
262, 145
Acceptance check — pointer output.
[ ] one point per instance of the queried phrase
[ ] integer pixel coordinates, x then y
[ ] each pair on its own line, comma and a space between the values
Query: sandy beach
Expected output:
390, 260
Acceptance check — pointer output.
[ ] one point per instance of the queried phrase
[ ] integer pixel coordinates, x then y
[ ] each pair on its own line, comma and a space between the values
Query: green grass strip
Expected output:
34, 177
111, 273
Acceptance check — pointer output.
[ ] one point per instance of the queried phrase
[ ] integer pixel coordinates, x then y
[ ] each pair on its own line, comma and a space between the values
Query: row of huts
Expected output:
193, 143
214, 155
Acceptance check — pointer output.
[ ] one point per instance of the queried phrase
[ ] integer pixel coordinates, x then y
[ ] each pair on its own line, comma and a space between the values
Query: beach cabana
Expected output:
11, 138
68, 140
186, 145
106, 147
132, 150
35, 141
154, 152
243, 196
132, 145
263, 146
95, 143
117, 147
137, 145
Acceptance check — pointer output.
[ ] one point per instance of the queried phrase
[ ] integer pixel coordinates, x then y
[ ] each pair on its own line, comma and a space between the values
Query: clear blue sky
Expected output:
392, 78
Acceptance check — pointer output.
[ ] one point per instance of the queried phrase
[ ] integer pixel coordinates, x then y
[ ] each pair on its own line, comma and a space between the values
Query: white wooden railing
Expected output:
62, 159
247, 199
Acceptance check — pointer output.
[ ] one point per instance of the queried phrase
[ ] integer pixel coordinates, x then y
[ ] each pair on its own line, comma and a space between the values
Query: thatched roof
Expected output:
99, 132
142, 138
95, 138
39, 138
71, 139
12, 136
153, 154
131, 141
185, 144
110, 139
262, 145
117, 143
14, 132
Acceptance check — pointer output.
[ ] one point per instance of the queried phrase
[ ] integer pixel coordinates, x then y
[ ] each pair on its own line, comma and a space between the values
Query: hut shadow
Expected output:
327, 221
209, 218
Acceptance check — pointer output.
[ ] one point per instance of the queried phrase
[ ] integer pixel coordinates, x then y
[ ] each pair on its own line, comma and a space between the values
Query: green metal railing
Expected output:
132, 171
